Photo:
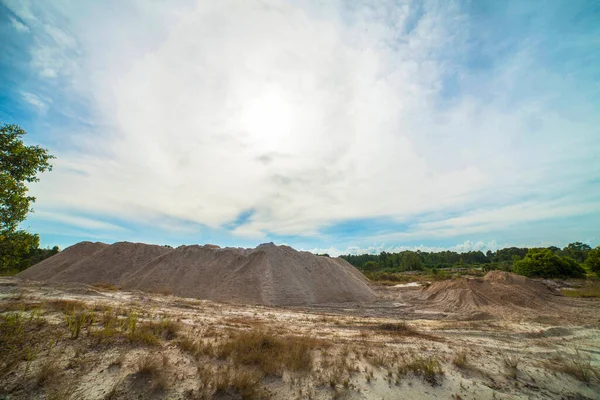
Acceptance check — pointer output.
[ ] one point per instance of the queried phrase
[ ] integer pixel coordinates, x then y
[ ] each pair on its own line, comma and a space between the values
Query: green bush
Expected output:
543, 263
593, 260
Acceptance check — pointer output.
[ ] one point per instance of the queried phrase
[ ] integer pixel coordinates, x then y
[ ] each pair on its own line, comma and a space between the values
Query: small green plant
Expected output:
76, 320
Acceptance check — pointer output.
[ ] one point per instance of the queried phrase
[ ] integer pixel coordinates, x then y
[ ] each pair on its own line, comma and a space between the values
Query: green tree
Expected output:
411, 261
19, 165
577, 251
371, 266
593, 260
544, 263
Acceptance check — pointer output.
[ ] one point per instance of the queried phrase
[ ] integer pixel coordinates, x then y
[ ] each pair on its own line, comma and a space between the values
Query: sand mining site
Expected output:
135, 321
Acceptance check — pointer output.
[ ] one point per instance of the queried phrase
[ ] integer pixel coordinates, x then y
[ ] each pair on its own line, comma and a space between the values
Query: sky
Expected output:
330, 126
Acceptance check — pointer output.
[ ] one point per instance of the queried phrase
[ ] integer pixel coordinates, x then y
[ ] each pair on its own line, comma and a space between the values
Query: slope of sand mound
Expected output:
112, 264
496, 290
268, 274
54, 265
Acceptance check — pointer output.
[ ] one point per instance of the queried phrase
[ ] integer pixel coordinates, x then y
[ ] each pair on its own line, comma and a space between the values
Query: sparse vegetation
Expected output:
429, 368
576, 364
590, 289
270, 353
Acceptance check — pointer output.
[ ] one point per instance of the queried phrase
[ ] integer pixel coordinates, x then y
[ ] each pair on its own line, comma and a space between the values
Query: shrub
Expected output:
593, 260
543, 263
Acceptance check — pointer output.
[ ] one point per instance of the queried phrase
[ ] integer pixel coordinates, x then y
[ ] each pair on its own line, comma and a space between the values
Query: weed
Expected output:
576, 365
154, 369
401, 329
272, 354
429, 368
398, 328
511, 364
243, 383
76, 320
591, 289
460, 359
165, 328
49, 369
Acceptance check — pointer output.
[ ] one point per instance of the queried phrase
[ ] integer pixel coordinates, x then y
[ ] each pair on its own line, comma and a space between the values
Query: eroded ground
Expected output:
79, 342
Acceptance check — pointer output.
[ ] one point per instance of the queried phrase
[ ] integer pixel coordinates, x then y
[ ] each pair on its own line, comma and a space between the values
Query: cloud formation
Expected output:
286, 118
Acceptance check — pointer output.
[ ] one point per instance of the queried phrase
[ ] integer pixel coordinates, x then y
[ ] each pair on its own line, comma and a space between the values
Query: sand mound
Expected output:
54, 265
111, 264
268, 274
496, 290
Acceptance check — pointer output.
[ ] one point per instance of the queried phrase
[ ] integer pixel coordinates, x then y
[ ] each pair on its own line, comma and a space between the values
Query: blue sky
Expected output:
329, 126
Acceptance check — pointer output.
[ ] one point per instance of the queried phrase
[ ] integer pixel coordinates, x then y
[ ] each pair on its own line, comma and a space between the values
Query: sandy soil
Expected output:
360, 351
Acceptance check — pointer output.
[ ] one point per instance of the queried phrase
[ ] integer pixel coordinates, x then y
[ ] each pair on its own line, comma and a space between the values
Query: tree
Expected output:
19, 165
411, 261
593, 260
577, 251
544, 263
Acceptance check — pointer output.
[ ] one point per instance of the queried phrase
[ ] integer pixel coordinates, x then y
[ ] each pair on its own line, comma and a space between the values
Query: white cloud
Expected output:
35, 100
18, 25
77, 221
464, 247
308, 114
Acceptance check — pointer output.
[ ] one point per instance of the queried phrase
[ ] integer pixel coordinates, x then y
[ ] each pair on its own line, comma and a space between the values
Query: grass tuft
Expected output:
460, 359
511, 364
429, 368
576, 365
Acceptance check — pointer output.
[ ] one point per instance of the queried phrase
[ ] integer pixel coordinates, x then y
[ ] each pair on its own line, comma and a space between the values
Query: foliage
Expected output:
386, 266
544, 263
593, 260
19, 165
577, 251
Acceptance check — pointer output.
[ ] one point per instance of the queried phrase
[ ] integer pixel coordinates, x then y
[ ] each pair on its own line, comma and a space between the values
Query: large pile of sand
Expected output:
50, 267
268, 274
496, 290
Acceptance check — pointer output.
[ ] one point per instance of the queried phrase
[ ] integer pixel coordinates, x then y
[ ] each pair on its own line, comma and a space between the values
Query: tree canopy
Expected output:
542, 262
20, 165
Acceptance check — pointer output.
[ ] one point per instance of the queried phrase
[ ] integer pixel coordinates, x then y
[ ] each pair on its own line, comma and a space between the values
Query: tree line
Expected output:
574, 260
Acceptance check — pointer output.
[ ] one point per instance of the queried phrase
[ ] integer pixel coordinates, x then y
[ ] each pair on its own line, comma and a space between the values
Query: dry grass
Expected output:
270, 353
165, 328
232, 382
154, 368
460, 359
429, 368
105, 286
576, 365
402, 329
511, 364
590, 290
49, 370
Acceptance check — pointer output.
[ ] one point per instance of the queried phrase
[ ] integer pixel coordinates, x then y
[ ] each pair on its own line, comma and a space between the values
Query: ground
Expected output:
61, 341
